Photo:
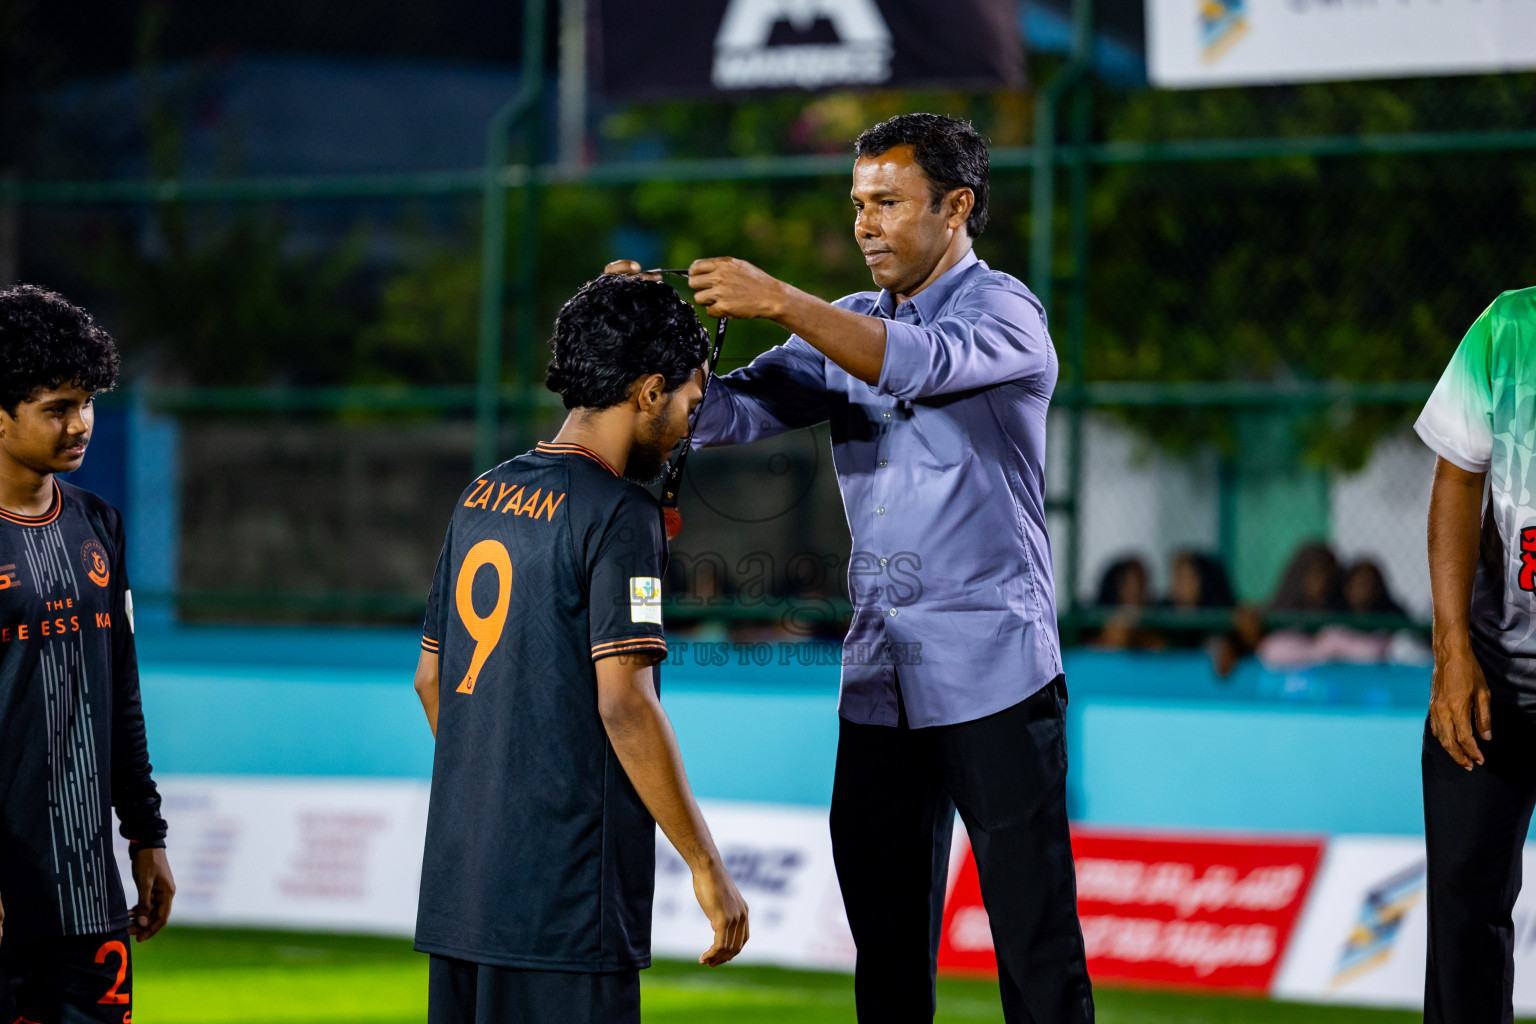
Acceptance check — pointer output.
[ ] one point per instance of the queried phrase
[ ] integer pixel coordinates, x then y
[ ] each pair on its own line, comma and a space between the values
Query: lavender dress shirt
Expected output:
942, 470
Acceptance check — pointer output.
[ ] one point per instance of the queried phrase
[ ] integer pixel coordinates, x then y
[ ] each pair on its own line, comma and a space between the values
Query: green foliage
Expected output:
1358, 269
224, 302
427, 322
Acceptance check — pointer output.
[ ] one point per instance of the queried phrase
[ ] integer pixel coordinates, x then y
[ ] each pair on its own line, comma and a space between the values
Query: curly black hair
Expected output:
617, 329
951, 153
46, 342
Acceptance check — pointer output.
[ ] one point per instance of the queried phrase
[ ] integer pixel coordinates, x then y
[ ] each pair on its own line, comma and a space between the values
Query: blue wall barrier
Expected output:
1154, 739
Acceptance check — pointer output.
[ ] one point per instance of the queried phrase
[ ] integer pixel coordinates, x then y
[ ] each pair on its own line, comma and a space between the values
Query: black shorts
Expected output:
460, 992
68, 979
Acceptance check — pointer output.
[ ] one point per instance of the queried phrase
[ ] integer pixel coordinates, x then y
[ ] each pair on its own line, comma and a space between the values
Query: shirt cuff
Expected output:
902, 372
429, 645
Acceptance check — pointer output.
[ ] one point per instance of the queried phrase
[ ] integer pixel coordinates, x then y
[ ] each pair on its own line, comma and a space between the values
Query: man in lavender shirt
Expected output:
936, 388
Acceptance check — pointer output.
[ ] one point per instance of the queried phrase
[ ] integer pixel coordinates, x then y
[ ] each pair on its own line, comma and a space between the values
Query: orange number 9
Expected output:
486, 630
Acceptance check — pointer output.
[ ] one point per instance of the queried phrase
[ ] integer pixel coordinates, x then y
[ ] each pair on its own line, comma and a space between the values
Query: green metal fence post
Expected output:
1043, 255
526, 319
493, 231
1077, 311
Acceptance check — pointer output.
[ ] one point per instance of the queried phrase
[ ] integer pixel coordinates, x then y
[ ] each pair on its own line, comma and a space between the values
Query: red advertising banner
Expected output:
1161, 909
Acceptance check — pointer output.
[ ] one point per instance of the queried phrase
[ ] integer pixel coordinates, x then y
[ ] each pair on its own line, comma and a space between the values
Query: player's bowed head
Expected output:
629, 357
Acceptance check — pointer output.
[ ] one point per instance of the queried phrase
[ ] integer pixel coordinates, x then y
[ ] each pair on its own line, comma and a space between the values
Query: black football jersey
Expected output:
539, 853
72, 743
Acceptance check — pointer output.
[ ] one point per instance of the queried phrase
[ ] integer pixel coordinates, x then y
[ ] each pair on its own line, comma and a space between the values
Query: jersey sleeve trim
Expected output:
429, 645
632, 645
1451, 453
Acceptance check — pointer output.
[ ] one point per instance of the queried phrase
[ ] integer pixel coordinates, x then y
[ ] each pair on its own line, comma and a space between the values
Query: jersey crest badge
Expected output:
94, 557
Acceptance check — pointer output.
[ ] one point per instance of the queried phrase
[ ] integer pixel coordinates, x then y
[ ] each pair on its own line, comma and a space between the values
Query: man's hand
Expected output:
727, 913
628, 267
726, 286
152, 874
1459, 703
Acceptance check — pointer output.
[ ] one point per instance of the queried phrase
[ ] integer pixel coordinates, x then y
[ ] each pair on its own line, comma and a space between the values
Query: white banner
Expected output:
345, 855
781, 859
309, 854
1194, 43
1364, 934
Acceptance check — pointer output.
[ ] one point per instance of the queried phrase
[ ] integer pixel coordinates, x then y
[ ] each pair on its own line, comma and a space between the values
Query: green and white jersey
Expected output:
1482, 417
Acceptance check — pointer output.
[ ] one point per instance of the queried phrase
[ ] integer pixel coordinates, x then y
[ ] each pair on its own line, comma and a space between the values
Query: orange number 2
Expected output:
113, 996
486, 631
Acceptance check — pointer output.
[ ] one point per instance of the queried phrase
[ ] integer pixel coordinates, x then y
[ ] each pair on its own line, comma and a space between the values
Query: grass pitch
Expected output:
206, 976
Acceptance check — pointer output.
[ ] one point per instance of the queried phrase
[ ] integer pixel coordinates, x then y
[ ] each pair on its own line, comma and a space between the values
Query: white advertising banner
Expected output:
1363, 937
781, 859
277, 852
1195, 43
345, 855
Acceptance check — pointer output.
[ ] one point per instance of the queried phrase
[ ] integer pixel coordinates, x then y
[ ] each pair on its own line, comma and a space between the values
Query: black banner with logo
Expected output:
693, 47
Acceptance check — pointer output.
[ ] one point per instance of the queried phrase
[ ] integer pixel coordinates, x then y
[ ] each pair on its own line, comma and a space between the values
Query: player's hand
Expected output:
726, 286
727, 913
152, 874
1459, 703
629, 267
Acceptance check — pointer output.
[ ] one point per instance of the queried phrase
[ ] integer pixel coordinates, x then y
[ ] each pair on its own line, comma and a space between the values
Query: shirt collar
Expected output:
930, 300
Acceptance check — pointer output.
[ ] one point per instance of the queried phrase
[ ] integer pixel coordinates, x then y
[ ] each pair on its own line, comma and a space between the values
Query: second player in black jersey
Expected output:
539, 674
72, 744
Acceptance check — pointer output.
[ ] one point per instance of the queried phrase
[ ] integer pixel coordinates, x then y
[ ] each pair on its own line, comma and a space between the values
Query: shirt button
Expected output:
893, 611
882, 561
885, 415
884, 463
880, 511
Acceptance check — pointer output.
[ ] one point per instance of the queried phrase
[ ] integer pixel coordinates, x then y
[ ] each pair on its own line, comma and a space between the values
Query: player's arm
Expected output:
1459, 704
134, 794
432, 633
643, 739
426, 687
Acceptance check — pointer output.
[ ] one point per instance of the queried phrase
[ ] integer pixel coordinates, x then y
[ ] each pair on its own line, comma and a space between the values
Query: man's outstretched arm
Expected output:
782, 389
1459, 705
643, 739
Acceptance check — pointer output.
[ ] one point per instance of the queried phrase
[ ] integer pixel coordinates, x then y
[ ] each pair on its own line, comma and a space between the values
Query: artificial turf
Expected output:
208, 976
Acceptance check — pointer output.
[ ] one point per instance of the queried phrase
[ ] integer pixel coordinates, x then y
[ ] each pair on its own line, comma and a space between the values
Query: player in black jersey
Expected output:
538, 674
72, 744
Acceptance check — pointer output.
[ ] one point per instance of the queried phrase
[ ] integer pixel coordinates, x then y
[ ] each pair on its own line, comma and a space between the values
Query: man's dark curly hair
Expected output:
951, 153
45, 342
617, 329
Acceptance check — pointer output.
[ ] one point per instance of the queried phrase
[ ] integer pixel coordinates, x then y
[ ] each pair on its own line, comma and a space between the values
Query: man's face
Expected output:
663, 431
903, 237
50, 430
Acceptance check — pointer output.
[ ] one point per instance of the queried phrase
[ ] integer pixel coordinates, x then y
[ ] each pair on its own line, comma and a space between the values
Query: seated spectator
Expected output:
1365, 591
1198, 582
1125, 591
1314, 583
1311, 583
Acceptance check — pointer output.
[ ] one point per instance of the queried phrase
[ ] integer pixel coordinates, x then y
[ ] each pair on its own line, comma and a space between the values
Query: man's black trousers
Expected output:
893, 803
1475, 825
